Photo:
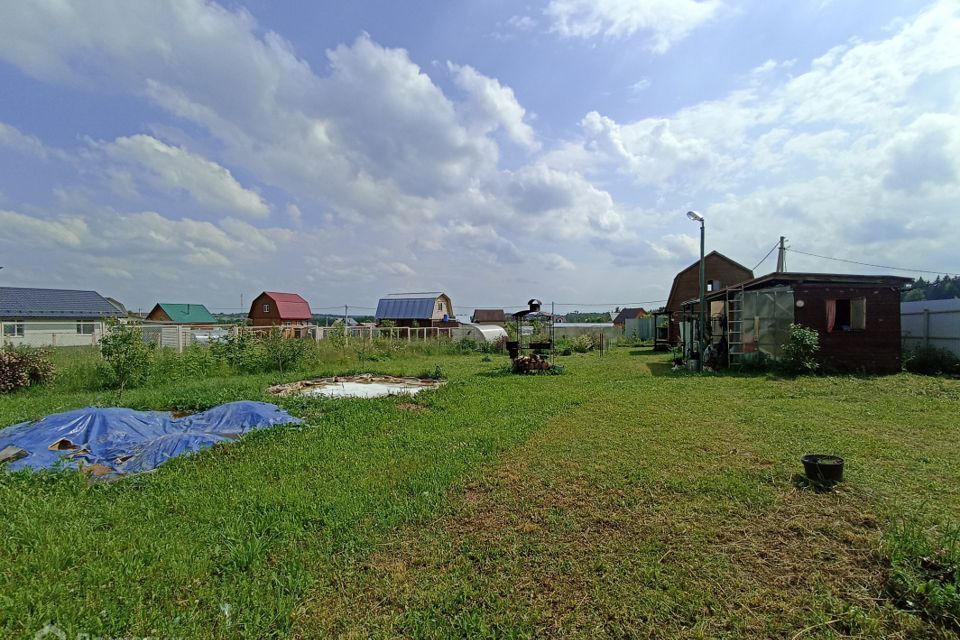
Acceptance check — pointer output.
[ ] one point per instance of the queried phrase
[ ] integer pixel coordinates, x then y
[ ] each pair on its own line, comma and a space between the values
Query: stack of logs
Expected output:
530, 364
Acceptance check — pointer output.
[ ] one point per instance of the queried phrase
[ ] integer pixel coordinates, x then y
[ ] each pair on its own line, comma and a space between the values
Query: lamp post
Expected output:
701, 338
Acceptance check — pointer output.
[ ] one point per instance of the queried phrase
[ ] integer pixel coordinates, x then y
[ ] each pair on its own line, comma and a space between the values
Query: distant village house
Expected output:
181, 313
53, 317
489, 316
431, 309
274, 308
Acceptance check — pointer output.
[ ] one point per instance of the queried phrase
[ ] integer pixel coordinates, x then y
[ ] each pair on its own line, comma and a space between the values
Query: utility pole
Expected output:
782, 256
344, 324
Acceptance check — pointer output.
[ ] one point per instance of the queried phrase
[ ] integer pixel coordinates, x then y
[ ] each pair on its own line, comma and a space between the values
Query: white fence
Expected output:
52, 333
931, 323
179, 337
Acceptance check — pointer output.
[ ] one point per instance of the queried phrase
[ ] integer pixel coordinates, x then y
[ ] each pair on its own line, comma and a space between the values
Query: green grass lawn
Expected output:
618, 499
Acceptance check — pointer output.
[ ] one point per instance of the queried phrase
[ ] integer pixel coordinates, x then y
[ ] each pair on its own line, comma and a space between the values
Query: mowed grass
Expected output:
618, 499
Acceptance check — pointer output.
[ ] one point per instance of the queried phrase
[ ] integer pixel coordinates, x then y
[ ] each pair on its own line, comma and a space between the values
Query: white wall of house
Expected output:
441, 307
51, 333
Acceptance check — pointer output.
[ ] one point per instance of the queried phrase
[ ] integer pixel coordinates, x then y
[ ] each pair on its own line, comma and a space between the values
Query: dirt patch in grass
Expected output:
411, 406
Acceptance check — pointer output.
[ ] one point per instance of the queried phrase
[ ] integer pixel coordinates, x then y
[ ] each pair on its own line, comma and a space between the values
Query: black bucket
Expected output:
823, 469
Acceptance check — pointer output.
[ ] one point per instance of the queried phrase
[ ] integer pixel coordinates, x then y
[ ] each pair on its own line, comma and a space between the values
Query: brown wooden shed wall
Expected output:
260, 318
687, 285
157, 314
876, 349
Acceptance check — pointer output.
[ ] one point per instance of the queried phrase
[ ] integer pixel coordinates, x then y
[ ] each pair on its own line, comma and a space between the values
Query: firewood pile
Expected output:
530, 364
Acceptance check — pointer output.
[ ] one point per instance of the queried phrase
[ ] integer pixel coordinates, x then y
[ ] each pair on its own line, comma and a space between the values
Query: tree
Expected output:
126, 356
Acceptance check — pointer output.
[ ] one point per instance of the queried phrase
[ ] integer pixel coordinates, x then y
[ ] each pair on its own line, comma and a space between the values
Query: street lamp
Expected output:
701, 338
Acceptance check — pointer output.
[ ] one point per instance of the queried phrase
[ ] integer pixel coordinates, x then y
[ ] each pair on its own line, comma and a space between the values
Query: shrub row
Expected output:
24, 366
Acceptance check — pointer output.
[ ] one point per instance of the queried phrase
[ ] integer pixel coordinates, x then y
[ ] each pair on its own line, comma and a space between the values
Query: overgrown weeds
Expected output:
931, 361
924, 569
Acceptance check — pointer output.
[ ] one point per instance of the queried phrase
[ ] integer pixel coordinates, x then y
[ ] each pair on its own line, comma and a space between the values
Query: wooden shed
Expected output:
274, 308
628, 313
720, 272
489, 316
857, 318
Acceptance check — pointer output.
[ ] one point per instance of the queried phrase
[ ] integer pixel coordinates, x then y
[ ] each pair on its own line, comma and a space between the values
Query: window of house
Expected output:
13, 329
439, 306
847, 314
266, 308
85, 328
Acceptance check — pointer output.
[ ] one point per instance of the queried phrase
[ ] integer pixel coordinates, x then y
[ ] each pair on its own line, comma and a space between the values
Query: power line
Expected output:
762, 260
868, 264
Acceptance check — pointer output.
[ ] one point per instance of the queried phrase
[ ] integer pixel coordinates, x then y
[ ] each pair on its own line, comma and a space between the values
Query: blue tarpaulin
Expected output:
127, 441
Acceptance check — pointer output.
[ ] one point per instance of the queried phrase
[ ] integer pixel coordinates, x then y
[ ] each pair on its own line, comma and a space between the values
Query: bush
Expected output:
23, 367
281, 353
582, 344
240, 352
800, 353
931, 361
467, 344
126, 357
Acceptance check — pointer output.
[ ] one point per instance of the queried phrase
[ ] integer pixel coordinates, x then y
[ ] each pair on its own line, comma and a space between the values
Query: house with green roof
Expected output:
178, 313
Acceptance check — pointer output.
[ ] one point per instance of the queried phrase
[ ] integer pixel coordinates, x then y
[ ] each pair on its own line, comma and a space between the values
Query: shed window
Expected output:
848, 314
266, 308
85, 328
13, 329
439, 306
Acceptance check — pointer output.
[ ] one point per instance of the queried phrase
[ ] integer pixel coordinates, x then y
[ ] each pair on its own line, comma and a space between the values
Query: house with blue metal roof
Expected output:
425, 309
53, 317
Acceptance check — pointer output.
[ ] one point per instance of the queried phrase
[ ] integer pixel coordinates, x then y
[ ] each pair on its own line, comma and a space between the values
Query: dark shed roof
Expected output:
23, 302
630, 313
791, 278
489, 315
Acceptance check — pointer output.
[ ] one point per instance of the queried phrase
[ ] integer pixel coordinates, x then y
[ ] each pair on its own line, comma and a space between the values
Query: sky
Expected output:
190, 151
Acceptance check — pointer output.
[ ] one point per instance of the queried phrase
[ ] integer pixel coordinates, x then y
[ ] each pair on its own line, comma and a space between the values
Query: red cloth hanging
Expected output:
831, 314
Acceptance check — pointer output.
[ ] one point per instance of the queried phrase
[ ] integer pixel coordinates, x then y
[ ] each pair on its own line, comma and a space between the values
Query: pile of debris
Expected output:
360, 386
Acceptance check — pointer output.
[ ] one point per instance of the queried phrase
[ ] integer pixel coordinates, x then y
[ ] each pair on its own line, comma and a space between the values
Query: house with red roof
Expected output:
274, 308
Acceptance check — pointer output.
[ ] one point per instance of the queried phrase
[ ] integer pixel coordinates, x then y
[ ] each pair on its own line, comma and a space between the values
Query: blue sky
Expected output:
194, 151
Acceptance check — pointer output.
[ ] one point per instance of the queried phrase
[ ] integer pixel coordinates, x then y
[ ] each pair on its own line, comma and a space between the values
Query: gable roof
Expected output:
629, 312
409, 306
25, 302
489, 315
290, 306
187, 313
716, 255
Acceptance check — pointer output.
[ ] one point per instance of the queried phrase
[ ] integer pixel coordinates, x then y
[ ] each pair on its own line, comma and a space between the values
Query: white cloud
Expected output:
640, 86
521, 23
557, 262
65, 231
13, 138
174, 168
561, 204
665, 21
492, 105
